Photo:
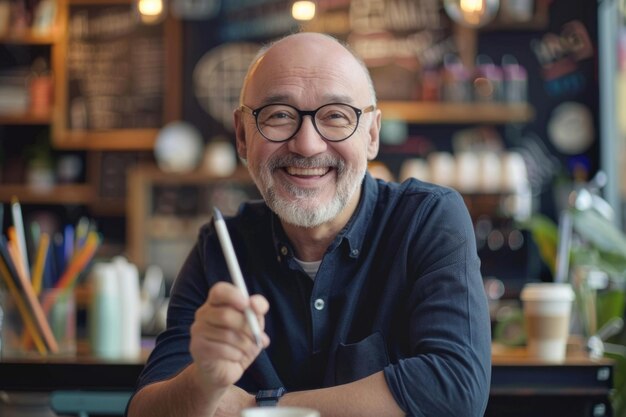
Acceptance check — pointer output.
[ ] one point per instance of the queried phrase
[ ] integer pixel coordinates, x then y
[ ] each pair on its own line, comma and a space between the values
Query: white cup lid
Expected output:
279, 412
544, 291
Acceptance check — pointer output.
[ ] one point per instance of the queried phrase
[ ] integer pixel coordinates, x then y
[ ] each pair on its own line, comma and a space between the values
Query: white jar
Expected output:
105, 314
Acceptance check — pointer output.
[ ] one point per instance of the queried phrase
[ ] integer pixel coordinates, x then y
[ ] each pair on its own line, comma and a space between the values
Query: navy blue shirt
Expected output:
399, 290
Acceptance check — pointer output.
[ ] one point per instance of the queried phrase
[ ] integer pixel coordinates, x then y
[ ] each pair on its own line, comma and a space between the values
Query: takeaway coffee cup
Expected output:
279, 412
547, 309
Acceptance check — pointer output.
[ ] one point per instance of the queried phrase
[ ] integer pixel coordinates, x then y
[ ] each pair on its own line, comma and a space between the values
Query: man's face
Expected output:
307, 180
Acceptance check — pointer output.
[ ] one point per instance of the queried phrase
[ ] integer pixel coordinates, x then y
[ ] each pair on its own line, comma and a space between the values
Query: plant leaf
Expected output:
600, 232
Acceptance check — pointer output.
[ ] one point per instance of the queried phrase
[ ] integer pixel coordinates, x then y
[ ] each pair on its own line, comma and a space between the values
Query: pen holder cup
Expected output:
43, 327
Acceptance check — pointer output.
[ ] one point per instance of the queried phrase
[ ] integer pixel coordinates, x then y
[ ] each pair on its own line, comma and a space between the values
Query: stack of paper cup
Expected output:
467, 172
414, 168
490, 172
442, 167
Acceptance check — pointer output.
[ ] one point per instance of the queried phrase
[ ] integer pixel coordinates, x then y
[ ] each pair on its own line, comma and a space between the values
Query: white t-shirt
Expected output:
309, 267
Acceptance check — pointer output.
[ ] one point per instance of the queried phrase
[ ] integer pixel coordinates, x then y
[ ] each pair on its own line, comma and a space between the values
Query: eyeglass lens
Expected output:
334, 122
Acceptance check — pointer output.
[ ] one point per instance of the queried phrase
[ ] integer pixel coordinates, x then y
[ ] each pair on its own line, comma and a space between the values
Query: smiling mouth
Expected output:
307, 172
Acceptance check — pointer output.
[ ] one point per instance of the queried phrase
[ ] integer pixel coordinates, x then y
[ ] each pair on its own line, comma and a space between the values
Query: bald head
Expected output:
312, 57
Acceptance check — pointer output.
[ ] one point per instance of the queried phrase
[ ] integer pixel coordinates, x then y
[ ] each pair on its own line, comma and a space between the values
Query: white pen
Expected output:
18, 223
235, 271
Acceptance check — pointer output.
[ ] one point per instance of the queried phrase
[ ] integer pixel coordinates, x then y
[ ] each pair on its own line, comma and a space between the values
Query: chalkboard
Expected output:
114, 77
397, 40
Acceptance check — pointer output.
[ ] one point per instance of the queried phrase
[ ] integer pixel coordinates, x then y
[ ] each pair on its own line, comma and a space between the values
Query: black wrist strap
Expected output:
269, 397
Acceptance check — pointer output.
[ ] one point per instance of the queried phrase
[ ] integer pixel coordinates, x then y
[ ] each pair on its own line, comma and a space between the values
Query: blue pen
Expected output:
49, 269
59, 255
68, 243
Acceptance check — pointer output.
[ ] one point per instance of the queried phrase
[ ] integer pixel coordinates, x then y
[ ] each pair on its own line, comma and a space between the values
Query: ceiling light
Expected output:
472, 13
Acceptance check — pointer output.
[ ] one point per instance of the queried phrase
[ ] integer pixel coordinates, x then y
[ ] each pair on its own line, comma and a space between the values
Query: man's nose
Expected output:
307, 141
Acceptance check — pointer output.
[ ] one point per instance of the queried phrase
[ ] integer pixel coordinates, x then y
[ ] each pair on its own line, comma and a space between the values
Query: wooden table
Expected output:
520, 386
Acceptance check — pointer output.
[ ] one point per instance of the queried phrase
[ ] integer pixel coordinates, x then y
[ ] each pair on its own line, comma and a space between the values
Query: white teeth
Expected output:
307, 171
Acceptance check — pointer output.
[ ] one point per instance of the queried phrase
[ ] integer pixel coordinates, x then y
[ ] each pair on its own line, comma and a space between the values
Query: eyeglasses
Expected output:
280, 122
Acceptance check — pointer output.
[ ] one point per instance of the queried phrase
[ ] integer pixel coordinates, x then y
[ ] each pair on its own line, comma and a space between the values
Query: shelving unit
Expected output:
58, 194
26, 193
165, 211
92, 142
456, 113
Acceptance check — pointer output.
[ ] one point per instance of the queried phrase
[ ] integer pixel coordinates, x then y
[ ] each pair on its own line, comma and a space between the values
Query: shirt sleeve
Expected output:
449, 371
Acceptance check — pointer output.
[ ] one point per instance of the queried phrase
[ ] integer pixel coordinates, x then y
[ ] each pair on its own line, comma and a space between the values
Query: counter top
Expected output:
511, 369
521, 386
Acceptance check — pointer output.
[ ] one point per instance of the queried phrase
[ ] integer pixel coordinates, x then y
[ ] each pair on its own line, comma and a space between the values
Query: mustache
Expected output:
298, 161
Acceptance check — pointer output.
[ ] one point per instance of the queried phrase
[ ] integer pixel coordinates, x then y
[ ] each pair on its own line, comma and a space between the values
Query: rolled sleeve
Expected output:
449, 371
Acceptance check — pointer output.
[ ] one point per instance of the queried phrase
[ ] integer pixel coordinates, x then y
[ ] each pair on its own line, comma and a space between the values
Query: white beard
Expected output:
302, 209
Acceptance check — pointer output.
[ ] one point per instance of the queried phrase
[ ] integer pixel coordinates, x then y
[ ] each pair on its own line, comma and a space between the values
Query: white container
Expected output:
105, 315
442, 168
467, 172
130, 329
414, 168
514, 173
490, 172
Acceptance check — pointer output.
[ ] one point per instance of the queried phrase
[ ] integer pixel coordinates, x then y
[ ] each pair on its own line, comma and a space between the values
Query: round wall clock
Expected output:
218, 77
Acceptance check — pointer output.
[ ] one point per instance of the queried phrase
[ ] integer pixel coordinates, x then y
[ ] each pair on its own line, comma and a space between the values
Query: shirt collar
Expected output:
353, 233
356, 228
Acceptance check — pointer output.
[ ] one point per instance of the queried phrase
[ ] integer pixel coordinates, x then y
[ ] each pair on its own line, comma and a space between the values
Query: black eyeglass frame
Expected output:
301, 113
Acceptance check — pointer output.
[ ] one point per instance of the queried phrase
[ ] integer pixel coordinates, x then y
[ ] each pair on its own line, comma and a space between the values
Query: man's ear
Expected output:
240, 135
374, 143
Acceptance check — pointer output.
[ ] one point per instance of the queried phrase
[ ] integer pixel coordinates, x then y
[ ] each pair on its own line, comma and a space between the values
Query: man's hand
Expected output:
222, 344
233, 401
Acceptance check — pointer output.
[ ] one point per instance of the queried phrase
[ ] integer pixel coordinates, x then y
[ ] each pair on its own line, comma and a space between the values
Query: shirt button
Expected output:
355, 252
284, 250
318, 304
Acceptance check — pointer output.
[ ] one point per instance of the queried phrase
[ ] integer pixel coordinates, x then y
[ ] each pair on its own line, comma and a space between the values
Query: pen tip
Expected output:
217, 214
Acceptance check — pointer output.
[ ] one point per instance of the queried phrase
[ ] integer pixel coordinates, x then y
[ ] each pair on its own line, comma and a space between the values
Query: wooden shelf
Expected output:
456, 113
175, 227
152, 174
28, 38
58, 194
108, 207
111, 140
149, 229
25, 119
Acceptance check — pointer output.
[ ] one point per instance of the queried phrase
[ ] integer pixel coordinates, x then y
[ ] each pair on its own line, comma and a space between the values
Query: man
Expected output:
370, 292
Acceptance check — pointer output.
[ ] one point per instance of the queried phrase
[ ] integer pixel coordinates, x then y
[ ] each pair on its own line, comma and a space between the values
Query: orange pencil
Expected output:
40, 262
21, 307
79, 261
75, 267
16, 256
33, 302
